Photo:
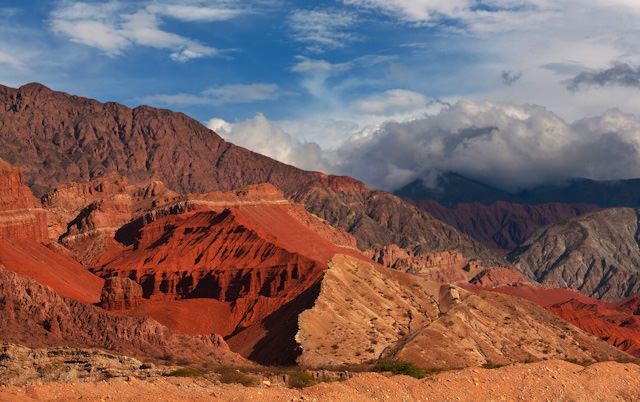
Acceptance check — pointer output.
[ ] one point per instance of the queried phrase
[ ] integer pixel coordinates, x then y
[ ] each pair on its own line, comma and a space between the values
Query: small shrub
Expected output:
490, 365
334, 346
238, 377
185, 372
300, 379
400, 367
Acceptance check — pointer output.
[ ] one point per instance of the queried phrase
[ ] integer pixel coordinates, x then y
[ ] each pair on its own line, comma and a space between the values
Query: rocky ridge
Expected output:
596, 254
503, 225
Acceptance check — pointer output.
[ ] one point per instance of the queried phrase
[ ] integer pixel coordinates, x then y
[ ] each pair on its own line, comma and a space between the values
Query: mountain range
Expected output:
151, 236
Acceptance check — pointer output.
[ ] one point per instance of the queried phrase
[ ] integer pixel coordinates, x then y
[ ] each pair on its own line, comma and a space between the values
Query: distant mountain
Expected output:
503, 225
597, 254
452, 189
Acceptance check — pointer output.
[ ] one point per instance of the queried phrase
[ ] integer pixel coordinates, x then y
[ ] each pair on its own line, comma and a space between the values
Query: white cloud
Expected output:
265, 137
509, 146
187, 12
232, 93
322, 30
505, 145
474, 16
11, 61
113, 27
393, 101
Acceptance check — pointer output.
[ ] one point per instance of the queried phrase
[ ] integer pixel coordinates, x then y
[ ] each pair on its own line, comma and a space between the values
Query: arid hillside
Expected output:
596, 254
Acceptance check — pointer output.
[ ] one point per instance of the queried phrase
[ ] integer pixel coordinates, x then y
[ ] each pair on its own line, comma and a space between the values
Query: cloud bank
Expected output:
510, 147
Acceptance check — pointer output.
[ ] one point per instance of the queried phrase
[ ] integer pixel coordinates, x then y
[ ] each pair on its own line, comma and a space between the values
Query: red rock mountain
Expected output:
56, 138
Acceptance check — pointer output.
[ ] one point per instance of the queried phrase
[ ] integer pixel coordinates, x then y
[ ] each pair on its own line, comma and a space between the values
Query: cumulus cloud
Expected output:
113, 27
621, 74
322, 30
265, 137
510, 147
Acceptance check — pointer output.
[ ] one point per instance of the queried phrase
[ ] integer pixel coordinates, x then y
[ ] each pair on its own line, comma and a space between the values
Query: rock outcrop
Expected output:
596, 254
120, 294
34, 315
21, 216
228, 263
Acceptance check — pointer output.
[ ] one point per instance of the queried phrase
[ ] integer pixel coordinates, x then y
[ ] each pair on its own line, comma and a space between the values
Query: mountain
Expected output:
56, 138
451, 189
596, 254
237, 245
502, 225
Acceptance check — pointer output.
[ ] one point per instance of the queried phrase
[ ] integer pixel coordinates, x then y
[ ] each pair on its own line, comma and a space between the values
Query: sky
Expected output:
516, 93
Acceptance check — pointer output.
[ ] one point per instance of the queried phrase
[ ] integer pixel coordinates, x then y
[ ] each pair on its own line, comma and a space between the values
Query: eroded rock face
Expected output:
34, 315
596, 254
120, 294
20, 214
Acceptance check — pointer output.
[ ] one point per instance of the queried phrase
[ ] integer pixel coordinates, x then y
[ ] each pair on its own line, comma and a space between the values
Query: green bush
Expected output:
185, 372
238, 377
300, 379
400, 367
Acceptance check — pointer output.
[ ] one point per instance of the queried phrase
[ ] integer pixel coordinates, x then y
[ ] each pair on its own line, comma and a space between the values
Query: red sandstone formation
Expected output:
34, 315
20, 214
229, 262
24, 243
120, 294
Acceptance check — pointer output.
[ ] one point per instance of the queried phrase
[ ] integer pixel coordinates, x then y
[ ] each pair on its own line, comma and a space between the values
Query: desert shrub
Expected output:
238, 377
185, 372
400, 367
300, 379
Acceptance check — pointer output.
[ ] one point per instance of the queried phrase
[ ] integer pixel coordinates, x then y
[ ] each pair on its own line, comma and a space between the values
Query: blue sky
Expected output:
336, 85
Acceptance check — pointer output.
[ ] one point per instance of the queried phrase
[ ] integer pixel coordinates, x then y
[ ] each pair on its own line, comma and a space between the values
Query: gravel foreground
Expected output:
543, 381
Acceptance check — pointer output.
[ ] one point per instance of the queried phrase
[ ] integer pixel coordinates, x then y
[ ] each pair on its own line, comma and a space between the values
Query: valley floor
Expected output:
543, 381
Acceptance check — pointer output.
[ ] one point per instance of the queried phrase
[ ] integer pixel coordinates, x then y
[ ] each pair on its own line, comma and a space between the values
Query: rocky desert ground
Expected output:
552, 380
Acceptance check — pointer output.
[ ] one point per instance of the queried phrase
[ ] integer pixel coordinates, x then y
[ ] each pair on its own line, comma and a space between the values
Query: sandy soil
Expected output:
544, 381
